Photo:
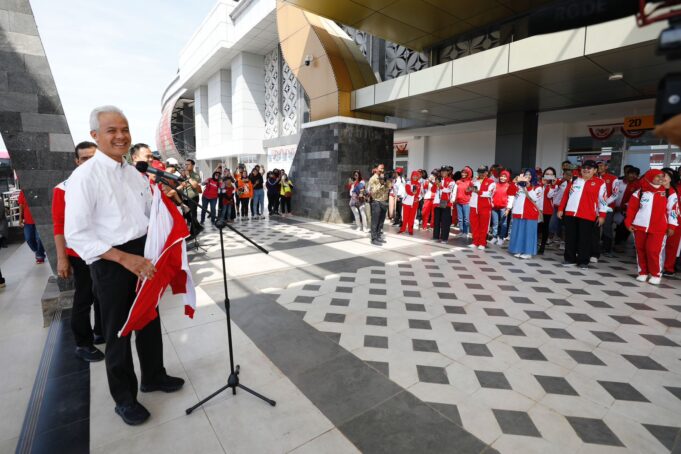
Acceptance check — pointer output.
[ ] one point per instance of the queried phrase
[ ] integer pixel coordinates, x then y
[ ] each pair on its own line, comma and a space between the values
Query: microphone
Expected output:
144, 167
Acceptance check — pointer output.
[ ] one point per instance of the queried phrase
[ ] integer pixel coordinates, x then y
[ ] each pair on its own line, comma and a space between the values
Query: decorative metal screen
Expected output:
289, 101
272, 94
469, 46
399, 60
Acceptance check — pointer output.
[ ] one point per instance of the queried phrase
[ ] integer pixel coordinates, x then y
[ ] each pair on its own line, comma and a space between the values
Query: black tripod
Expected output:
233, 379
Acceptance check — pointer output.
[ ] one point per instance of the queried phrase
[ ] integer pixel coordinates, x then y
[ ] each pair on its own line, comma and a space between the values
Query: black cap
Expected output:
156, 155
444, 168
483, 169
590, 163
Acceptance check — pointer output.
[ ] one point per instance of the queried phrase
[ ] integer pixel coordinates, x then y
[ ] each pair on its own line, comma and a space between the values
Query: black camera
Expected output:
388, 174
668, 102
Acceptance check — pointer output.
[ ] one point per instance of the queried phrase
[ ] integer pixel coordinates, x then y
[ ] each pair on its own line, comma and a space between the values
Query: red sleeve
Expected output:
21, 200
408, 190
632, 209
512, 189
566, 196
58, 210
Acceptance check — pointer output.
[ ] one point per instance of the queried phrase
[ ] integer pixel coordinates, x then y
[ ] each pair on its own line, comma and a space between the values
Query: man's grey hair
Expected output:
97, 111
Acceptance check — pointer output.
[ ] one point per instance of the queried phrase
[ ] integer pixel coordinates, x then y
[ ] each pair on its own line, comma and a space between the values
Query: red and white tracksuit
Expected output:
428, 211
673, 247
584, 199
481, 210
524, 201
651, 213
410, 202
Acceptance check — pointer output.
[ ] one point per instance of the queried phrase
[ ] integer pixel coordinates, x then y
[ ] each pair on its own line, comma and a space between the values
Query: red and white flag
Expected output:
167, 250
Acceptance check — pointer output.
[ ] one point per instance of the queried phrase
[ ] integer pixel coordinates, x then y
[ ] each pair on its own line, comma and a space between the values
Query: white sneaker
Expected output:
481, 248
642, 277
655, 280
469, 235
501, 242
593, 260
472, 246
517, 255
525, 256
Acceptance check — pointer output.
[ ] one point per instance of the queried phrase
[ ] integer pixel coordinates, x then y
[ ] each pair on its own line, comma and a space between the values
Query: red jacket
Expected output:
500, 199
523, 206
630, 189
58, 213
412, 189
609, 180
463, 197
549, 191
584, 199
482, 200
447, 186
650, 209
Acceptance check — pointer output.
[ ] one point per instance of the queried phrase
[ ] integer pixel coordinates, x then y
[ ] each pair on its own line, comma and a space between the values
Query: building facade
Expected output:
468, 96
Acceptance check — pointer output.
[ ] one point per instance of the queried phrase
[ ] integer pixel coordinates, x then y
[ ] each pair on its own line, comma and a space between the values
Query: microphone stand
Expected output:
233, 380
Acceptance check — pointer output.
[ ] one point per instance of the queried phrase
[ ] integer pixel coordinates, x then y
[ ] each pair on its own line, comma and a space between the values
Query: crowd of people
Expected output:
585, 210
225, 195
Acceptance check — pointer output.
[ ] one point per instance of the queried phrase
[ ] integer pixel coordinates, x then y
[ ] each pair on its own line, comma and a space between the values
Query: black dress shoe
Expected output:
167, 384
133, 415
99, 340
89, 354
376, 243
668, 273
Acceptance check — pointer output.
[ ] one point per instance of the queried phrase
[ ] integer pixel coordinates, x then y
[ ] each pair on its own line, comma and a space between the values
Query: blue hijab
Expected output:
534, 180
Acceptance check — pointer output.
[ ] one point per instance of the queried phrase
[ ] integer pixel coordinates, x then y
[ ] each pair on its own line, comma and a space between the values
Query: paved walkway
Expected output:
413, 347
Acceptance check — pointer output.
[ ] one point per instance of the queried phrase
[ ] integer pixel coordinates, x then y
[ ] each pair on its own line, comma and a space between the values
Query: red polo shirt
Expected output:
28, 217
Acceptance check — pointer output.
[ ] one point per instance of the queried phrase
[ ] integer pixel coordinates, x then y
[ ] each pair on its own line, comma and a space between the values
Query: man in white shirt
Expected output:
107, 214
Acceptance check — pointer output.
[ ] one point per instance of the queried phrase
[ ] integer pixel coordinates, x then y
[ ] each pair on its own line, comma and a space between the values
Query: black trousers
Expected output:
192, 216
285, 204
621, 234
244, 206
419, 214
115, 289
544, 230
378, 212
443, 222
83, 299
272, 202
579, 239
398, 212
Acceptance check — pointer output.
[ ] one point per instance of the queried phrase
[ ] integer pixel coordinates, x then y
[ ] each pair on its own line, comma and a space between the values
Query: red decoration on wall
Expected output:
401, 149
602, 132
632, 134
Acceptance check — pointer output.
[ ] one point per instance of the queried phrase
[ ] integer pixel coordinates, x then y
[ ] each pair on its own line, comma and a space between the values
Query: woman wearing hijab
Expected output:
410, 202
528, 195
651, 217
673, 245
464, 189
501, 207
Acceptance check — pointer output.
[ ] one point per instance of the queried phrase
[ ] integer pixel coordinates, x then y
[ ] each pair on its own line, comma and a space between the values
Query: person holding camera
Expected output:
550, 188
446, 188
410, 202
428, 211
583, 210
379, 188
358, 198
527, 213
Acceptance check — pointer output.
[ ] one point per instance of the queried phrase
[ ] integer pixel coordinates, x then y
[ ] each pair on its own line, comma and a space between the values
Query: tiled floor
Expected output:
526, 354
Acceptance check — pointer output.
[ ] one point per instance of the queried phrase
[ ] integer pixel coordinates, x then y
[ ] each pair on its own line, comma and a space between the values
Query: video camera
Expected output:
668, 103
387, 175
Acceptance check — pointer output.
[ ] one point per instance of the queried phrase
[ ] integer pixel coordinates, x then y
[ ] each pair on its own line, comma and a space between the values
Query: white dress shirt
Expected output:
107, 204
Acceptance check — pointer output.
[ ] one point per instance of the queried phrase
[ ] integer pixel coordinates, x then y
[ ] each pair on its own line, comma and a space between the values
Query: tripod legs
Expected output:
232, 382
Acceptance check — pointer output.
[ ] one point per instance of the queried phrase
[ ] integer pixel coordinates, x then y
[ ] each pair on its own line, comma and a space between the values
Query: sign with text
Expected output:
639, 123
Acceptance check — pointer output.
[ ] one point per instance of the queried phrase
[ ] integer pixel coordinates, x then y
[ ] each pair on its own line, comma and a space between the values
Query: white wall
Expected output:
201, 119
219, 114
552, 142
248, 103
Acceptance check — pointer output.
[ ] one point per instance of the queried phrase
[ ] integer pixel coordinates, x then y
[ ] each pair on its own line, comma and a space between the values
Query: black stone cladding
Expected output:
325, 157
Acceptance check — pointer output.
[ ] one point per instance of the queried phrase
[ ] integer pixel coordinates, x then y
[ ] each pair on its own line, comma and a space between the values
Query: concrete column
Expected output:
219, 114
201, 120
516, 142
417, 149
248, 103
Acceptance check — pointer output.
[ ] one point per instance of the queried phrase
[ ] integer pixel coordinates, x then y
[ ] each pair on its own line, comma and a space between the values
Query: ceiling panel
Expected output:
448, 96
625, 58
419, 23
